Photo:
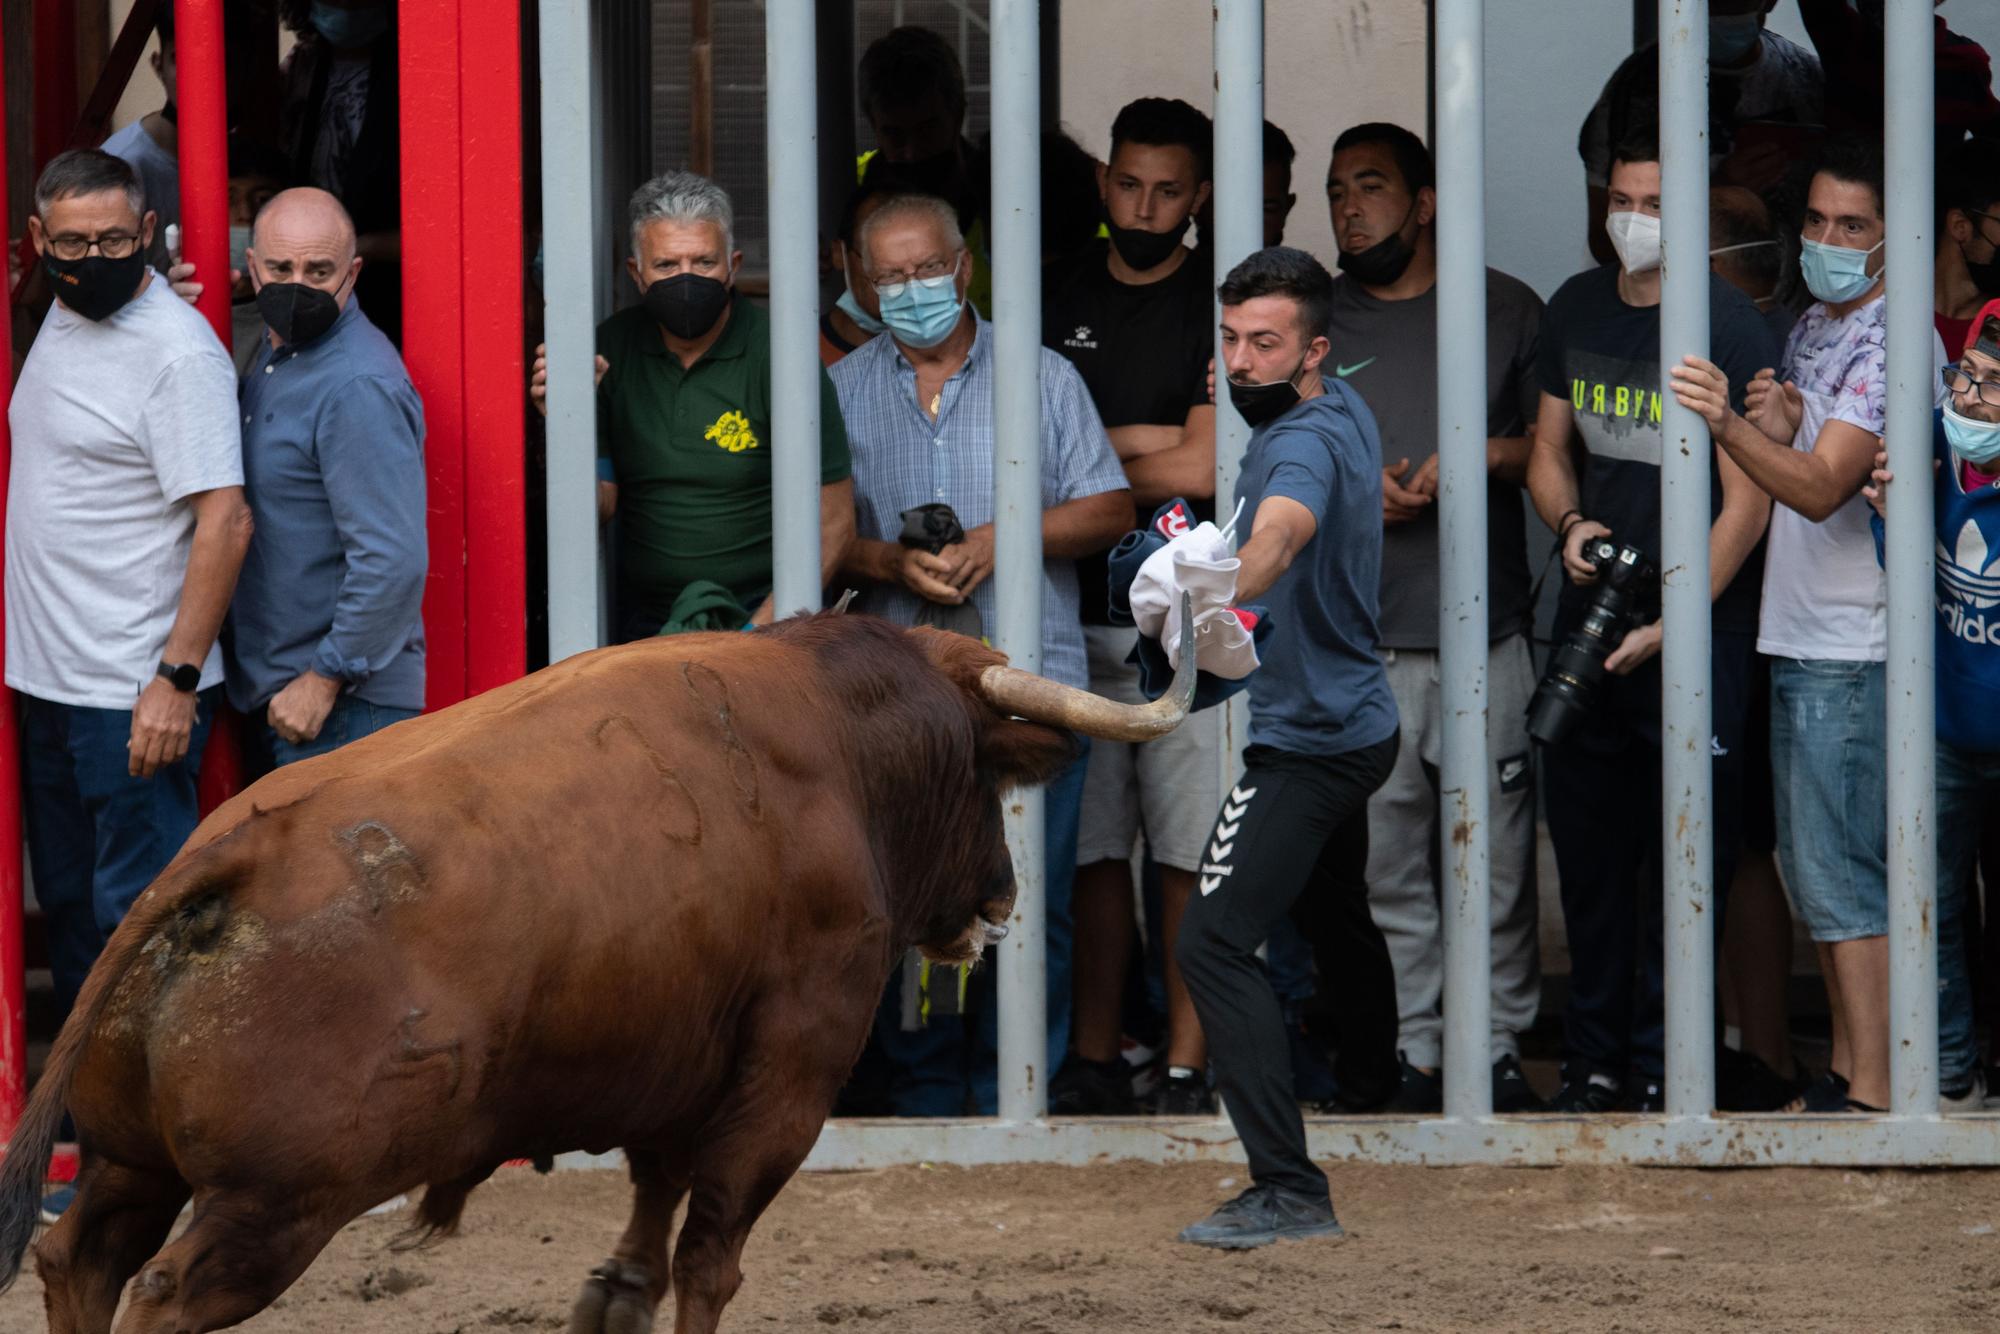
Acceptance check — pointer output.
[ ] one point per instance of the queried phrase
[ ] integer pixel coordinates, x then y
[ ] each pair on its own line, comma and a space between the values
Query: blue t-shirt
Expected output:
1321, 689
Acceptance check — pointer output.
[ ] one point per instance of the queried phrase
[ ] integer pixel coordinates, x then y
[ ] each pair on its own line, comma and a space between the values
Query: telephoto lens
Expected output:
1625, 579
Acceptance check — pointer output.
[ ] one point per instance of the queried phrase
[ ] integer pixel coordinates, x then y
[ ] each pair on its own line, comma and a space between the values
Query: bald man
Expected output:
327, 643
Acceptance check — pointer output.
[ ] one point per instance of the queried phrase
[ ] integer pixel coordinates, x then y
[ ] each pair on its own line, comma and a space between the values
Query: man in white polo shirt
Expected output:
125, 528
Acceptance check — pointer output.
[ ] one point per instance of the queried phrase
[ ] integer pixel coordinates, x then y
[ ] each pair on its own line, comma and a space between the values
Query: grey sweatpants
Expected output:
1404, 884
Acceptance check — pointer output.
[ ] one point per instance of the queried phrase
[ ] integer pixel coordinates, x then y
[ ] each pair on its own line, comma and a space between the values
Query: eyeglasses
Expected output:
111, 245
1958, 382
892, 285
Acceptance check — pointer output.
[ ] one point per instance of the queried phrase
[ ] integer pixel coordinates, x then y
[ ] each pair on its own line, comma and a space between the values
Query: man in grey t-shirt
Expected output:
1384, 333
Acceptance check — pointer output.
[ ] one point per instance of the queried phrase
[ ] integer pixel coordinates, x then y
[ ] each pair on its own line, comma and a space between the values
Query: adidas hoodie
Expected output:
1968, 605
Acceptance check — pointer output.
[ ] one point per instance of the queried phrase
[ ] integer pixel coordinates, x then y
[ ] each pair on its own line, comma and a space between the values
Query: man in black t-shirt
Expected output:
1600, 382
1135, 313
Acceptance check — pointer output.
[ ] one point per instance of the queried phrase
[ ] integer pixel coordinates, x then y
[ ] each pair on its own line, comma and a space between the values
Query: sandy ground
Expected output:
1062, 1251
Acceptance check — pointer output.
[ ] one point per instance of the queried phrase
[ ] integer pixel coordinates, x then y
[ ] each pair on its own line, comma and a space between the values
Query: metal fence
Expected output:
1690, 1132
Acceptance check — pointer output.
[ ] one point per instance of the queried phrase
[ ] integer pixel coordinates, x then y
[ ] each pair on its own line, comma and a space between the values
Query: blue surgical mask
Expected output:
924, 311
349, 28
1836, 274
1977, 442
869, 324
1731, 37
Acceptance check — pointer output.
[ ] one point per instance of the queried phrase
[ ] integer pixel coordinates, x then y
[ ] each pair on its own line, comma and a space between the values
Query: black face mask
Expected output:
1384, 262
687, 305
1986, 277
1146, 250
1259, 403
297, 313
95, 287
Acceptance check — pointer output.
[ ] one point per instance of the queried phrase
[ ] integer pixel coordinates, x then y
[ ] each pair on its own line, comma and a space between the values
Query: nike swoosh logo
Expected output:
1344, 371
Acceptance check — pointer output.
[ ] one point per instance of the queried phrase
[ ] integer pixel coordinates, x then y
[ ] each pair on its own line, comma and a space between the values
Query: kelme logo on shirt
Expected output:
732, 432
1080, 337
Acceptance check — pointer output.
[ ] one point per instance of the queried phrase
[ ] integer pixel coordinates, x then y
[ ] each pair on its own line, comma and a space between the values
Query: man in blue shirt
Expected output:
919, 410
327, 640
1292, 836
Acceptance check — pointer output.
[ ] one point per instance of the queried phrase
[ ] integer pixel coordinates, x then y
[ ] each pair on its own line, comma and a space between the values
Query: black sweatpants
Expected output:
1292, 837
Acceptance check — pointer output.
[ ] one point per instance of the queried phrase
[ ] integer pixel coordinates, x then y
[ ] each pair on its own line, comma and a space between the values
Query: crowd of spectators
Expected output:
179, 527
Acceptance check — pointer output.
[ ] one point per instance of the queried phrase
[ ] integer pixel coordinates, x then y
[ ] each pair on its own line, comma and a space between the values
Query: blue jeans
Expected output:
951, 1065
1830, 783
350, 719
96, 835
1967, 783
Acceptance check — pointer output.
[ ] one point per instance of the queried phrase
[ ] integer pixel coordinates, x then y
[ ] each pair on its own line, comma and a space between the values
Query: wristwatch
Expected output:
186, 677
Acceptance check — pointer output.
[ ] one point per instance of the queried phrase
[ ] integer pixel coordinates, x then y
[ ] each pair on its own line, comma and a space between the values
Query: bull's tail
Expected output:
29, 1149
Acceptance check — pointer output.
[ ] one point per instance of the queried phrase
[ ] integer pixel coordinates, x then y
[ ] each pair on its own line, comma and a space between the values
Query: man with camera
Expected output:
1598, 710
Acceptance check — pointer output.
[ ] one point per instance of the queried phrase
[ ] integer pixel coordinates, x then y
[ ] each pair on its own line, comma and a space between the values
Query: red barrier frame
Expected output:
463, 331
13, 964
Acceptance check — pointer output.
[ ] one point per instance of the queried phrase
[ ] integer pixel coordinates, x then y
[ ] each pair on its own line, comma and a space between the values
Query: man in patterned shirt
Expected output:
919, 411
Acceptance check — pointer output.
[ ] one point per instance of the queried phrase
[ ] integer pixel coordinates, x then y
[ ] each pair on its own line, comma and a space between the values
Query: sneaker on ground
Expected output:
1419, 1093
1511, 1090
1183, 1095
1262, 1215
1969, 1096
1597, 1093
1092, 1088
56, 1201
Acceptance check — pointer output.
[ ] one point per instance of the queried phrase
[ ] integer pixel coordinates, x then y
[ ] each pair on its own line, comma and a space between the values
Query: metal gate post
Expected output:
1017, 524
1910, 544
1239, 233
1463, 633
570, 278
13, 963
792, 171
204, 155
1687, 455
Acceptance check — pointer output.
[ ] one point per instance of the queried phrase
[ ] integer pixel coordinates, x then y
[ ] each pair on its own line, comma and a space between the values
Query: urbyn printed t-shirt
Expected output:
116, 422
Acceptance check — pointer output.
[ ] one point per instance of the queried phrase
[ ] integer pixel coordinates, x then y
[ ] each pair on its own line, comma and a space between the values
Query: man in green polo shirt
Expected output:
684, 417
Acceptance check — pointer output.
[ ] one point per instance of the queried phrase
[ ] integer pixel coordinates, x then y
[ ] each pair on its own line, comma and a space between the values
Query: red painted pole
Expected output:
496, 540
55, 77
204, 157
434, 245
13, 964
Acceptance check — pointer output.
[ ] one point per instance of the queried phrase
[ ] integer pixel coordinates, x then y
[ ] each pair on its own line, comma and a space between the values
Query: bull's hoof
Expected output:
614, 1301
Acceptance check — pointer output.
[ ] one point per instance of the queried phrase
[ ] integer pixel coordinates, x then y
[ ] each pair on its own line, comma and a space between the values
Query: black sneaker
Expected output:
1596, 1093
1419, 1093
1511, 1090
1183, 1095
1648, 1098
1092, 1088
1262, 1215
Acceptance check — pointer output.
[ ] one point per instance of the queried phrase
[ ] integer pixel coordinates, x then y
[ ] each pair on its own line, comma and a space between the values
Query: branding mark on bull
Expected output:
389, 870
412, 1053
712, 692
682, 814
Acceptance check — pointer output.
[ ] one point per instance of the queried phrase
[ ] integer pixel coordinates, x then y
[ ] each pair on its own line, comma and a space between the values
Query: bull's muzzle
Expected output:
995, 932
1040, 700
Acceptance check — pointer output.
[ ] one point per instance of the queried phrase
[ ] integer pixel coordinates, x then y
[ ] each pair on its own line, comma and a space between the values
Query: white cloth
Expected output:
1197, 563
115, 423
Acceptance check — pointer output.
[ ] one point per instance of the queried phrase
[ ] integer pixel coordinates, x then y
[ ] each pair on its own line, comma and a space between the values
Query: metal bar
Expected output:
1017, 523
94, 121
1500, 1141
490, 344
433, 350
13, 972
1463, 613
1239, 233
1910, 547
54, 77
792, 167
204, 155
1687, 455
569, 278
701, 83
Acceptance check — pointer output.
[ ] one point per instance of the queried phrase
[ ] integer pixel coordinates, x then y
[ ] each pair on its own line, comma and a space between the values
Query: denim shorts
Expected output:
1829, 766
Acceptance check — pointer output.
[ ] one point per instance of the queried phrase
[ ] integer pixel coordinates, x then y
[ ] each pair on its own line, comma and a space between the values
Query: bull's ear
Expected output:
1021, 754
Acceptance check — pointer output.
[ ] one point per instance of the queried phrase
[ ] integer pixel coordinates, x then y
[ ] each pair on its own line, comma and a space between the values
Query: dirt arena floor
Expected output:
1063, 1251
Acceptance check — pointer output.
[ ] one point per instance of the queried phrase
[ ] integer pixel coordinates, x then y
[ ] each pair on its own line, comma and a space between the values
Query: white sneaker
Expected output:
1971, 1099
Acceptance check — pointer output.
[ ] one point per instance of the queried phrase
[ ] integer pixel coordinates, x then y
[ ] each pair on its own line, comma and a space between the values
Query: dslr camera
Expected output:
1627, 583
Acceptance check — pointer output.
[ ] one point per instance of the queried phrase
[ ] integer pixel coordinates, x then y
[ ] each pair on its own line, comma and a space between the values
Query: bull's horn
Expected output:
1041, 700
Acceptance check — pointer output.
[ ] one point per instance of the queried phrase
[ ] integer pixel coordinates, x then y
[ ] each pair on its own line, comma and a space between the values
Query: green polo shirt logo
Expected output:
732, 432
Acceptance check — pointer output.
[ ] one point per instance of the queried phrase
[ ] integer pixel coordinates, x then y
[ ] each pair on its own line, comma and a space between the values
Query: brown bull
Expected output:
646, 899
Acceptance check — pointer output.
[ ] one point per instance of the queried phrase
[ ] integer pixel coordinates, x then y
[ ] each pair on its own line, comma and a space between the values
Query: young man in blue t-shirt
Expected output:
1292, 836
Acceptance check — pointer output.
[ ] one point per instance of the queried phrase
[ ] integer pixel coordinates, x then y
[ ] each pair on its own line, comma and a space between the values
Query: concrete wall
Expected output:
1328, 64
